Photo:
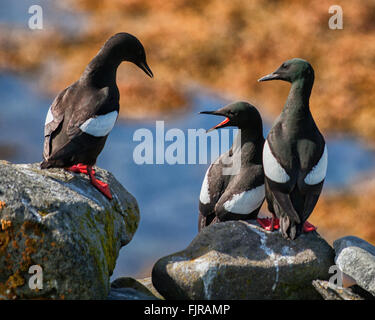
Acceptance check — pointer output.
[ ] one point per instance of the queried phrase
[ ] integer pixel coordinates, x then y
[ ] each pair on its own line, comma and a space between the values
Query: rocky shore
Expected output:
60, 239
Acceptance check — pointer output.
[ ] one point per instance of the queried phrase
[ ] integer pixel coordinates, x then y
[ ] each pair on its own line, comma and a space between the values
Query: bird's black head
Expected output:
238, 114
126, 47
292, 70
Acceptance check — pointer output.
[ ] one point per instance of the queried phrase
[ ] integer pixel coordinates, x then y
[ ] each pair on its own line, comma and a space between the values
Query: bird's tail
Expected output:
290, 221
45, 165
289, 228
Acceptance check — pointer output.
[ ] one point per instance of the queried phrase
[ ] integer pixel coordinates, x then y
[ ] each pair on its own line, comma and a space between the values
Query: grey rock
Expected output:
128, 294
356, 258
127, 288
147, 282
58, 220
239, 260
330, 291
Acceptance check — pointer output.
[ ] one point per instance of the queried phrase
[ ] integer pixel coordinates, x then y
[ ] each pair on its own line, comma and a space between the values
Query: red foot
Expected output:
100, 185
79, 168
308, 227
266, 224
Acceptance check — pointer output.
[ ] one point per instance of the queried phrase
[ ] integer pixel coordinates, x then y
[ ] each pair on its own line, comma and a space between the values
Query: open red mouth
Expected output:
221, 124
226, 120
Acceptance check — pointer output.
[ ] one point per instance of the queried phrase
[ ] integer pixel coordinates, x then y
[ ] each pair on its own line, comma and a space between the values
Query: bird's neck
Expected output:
102, 69
249, 141
297, 103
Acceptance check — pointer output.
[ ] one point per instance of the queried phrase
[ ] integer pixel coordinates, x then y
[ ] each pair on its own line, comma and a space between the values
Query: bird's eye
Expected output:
283, 65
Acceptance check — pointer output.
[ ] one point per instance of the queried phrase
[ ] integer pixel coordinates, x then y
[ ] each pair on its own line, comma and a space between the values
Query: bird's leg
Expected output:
272, 222
308, 227
100, 185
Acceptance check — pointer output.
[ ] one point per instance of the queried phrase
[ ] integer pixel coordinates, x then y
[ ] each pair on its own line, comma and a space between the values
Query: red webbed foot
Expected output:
308, 227
266, 224
79, 168
269, 224
100, 185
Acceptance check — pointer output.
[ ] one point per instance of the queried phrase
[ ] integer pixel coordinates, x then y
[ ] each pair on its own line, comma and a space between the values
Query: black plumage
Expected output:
295, 155
82, 115
239, 193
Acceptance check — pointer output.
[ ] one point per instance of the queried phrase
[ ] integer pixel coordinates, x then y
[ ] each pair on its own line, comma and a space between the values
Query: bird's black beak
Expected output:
222, 124
144, 66
271, 76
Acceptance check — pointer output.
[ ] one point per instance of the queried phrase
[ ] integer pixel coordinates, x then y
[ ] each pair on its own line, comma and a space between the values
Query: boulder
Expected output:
147, 282
356, 258
239, 260
331, 291
127, 288
55, 224
128, 294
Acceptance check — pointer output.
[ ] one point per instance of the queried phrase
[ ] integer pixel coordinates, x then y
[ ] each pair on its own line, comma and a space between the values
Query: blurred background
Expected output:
204, 54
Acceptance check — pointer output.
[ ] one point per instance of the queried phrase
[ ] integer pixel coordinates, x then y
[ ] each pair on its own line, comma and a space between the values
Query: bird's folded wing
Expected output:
311, 198
89, 107
55, 114
315, 171
54, 119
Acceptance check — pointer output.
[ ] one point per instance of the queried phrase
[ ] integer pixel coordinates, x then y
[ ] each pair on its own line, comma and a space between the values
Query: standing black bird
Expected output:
295, 154
81, 116
235, 192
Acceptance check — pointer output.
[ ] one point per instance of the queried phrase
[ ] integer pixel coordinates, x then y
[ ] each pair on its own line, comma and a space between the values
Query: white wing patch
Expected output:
204, 196
246, 202
100, 126
318, 172
272, 169
49, 117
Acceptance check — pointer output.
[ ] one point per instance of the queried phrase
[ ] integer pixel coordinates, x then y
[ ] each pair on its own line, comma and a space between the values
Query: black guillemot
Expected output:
295, 155
82, 115
238, 193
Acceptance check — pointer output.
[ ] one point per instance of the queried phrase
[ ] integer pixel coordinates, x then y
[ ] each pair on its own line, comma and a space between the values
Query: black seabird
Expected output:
295, 154
235, 192
82, 115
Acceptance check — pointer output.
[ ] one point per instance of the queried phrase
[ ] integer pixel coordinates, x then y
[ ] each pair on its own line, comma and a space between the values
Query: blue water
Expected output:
15, 13
167, 194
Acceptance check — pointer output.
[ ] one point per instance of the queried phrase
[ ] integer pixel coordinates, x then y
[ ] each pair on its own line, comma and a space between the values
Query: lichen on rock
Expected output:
59, 221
